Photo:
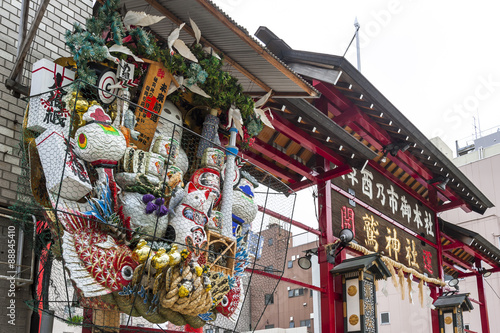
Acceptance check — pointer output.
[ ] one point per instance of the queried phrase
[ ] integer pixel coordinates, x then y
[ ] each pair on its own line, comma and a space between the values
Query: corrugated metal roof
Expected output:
232, 40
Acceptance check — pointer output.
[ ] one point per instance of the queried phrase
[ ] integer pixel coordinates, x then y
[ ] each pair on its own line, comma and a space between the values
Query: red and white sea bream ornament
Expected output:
96, 263
231, 303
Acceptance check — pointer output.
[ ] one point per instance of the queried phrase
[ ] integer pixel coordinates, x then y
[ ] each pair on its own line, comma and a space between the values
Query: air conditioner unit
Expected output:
287, 288
293, 258
291, 318
305, 304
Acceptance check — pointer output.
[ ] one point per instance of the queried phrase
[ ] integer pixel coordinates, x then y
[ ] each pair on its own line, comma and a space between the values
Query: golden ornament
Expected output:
175, 256
160, 259
448, 320
141, 252
352, 290
353, 319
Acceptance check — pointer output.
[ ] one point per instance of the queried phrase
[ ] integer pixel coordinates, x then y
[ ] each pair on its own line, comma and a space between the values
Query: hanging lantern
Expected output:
451, 309
358, 281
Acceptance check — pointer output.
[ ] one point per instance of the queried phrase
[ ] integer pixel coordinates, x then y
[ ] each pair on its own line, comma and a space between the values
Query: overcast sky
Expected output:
436, 61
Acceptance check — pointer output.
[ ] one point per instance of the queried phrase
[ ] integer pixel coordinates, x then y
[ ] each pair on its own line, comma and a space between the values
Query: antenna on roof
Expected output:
356, 25
356, 35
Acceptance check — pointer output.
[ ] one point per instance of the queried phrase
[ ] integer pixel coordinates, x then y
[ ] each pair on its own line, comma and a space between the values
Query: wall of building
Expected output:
483, 173
48, 43
292, 305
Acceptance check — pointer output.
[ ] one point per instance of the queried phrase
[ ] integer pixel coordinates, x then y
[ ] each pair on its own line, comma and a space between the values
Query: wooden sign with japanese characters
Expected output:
153, 95
389, 199
377, 234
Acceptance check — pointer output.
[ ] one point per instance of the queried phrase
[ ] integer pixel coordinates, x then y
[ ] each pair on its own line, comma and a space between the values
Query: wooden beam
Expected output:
23, 51
283, 159
305, 139
227, 59
302, 185
334, 173
270, 167
300, 225
258, 48
282, 278
457, 260
348, 114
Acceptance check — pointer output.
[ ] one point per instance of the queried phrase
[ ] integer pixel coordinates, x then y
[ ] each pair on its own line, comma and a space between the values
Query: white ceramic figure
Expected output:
170, 126
244, 207
188, 219
99, 142
145, 212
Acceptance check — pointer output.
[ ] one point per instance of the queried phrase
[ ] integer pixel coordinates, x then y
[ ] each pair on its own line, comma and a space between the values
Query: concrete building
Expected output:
480, 163
288, 305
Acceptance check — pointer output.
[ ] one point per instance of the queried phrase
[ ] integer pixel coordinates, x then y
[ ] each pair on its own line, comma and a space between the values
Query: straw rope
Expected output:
392, 265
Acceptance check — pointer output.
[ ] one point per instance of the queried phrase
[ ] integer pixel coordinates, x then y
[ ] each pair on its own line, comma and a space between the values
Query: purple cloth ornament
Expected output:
162, 211
159, 201
147, 198
151, 207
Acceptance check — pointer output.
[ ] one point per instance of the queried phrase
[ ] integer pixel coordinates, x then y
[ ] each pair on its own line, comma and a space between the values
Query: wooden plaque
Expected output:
379, 235
153, 96
381, 193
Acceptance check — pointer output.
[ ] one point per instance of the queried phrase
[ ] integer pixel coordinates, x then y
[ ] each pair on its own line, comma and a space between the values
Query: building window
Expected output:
290, 264
269, 326
467, 326
385, 318
269, 269
270, 241
296, 292
292, 324
306, 323
311, 293
269, 298
209, 330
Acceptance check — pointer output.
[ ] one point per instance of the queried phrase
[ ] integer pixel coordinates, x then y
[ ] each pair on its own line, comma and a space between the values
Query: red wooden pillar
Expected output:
483, 309
435, 292
331, 302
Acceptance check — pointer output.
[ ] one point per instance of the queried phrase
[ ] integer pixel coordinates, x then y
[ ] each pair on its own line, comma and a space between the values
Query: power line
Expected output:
492, 288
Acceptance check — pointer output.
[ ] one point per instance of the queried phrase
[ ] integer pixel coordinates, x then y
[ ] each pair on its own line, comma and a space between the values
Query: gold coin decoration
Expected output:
353, 319
448, 320
352, 290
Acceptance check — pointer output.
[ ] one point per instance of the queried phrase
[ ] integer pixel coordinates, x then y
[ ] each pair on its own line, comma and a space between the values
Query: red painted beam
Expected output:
329, 91
493, 270
458, 261
269, 166
282, 278
376, 136
283, 159
305, 140
449, 265
483, 309
280, 217
302, 185
452, 246
334, 173
450, 205
459, 244
401, 184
